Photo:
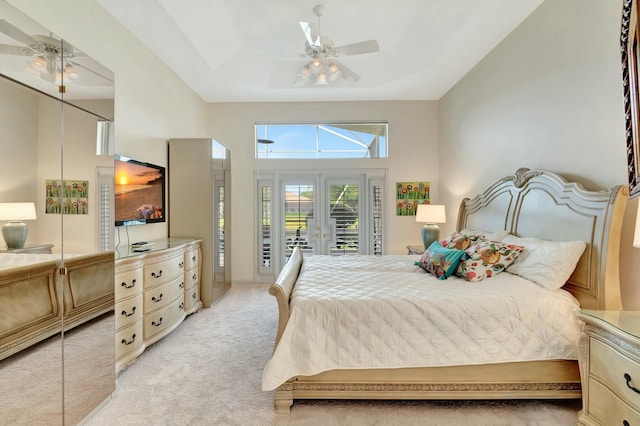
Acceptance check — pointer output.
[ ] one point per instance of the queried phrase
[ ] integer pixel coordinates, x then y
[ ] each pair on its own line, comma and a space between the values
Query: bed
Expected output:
325, 349
33, 307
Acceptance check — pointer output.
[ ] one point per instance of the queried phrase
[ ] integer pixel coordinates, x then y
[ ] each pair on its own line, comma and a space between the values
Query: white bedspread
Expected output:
354, 312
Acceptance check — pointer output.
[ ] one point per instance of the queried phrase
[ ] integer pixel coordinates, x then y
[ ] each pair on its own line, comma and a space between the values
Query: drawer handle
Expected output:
133, 311
193, 258
181, 307
194, 296
133, 339
158, 299
193, 277
158, 275
182, 284
157, 324
627, 377
124, 284
625, 423
181, 264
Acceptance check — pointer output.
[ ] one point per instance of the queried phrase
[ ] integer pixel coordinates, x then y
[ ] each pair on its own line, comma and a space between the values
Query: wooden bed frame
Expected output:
529, 203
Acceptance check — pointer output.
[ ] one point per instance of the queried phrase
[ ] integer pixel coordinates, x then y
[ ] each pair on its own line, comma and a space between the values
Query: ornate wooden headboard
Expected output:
541, 204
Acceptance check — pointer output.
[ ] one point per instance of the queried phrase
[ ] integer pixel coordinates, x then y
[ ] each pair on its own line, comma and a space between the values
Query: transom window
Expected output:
331, 140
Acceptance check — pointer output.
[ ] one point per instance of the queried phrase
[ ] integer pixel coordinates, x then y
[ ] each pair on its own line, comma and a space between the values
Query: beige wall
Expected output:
549, 96
413, 156
19, 142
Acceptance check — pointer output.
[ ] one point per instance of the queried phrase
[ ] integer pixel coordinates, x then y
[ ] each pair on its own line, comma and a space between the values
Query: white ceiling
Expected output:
248, 50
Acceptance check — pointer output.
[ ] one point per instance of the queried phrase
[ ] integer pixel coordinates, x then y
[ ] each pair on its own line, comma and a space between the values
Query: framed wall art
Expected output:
67, 196
409, 195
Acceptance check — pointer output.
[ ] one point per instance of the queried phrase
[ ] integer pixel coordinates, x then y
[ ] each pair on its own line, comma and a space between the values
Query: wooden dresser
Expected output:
609, 356
155, 290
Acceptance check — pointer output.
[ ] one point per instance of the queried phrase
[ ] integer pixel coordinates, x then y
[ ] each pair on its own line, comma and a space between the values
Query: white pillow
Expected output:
487, 235
547, 263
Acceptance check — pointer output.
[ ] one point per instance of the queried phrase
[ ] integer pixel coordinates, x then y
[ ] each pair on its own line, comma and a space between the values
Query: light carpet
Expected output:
208, 372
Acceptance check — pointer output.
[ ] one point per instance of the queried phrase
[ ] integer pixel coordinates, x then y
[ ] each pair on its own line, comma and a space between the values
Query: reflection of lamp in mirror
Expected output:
430, 214
15, 231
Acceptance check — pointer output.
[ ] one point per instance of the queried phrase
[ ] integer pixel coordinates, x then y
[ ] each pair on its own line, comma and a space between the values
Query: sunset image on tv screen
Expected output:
138, 192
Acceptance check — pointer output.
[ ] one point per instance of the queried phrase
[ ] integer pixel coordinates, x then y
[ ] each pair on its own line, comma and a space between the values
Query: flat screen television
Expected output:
139, 192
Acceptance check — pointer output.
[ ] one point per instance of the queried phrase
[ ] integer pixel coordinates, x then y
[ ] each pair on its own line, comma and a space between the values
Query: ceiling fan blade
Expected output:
17, 34
369, 46
8, 49
347, 74
311, 33
89, 76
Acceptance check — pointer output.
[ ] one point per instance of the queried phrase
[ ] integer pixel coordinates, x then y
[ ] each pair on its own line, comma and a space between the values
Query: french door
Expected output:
330, 214
322, 214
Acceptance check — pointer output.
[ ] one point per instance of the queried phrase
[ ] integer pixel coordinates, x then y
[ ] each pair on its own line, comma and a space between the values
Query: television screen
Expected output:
139, 192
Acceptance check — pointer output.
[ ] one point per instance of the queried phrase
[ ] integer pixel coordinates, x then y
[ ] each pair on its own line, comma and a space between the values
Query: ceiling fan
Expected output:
323, 66
51, 59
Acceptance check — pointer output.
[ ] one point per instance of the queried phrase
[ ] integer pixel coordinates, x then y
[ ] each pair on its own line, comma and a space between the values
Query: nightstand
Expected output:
609, 356
415, 249
30, 248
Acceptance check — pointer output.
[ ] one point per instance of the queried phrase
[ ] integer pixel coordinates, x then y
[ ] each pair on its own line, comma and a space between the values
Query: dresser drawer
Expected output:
191, 297
160, 296
191, 259
128, 284
610, 366
128, 339
191, 279
163, 319
607, 408
162, 272
128, 311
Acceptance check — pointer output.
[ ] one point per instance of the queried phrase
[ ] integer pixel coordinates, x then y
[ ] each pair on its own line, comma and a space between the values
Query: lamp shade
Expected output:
17, 211
431, 213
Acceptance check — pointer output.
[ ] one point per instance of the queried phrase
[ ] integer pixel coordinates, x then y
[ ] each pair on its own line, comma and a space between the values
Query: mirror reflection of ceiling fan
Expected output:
51, 59
323, 67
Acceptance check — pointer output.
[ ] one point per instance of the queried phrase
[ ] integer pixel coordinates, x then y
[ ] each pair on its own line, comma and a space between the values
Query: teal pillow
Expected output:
441, 262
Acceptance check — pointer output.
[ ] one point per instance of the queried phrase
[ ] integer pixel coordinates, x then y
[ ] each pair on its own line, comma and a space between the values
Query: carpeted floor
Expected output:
208, 372
31, 380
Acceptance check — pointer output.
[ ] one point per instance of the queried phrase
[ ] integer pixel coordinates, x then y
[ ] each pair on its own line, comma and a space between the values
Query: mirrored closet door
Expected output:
56, 285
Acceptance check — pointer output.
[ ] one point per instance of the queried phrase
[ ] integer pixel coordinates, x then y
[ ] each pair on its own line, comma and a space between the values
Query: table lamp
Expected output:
430, 214
15, 231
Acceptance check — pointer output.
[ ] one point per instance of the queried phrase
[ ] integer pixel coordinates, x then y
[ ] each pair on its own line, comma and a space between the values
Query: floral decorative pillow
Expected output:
464, 239
441, 262
486, 259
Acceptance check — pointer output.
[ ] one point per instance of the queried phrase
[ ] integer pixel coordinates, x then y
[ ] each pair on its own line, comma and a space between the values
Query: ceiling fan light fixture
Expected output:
305, 72
316, 66
70, 72
334, 71
39, 64
321, 80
